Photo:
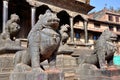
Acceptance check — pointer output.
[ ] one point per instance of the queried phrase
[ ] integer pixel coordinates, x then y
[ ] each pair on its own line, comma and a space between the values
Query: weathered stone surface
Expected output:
4, 75
10, 46
65, 61
48, 75
68, 65
43, 42
8, 43
111, 73
11, 29
22, 68
64, 33
64, 48
70, 76
6, 62
103, 52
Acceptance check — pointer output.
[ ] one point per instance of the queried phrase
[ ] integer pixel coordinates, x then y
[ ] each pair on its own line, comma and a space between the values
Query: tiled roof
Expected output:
96, 15
99, 14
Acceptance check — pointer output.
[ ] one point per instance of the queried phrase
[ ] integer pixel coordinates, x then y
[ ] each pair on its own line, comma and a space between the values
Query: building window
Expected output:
111, 28
110, 17
96, 25
77, 35
118, 28
117, 19
95, 37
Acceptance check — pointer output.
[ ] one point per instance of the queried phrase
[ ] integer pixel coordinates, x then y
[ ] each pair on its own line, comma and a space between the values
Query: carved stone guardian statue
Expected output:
43, 43
8, 43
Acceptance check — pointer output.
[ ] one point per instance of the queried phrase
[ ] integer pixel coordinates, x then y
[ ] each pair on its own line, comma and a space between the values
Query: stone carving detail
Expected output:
11, 28
64, 33
104, 50
64, 48
7, 38
43, 43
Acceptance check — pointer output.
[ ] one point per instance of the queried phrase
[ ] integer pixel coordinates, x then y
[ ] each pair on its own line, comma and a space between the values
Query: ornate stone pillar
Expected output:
5, 13
33, 12
72, 30
85, 23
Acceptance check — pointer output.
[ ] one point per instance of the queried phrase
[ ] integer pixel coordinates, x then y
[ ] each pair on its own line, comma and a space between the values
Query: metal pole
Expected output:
5, 14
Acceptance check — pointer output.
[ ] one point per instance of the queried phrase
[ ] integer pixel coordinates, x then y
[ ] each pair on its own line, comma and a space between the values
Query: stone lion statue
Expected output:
12, 27
43, 43
8, 42
64, 33
104, 50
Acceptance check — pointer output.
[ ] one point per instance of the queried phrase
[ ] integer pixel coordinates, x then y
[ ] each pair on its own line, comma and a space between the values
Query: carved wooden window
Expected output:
118, 28
110, 17
117, 19
111, 28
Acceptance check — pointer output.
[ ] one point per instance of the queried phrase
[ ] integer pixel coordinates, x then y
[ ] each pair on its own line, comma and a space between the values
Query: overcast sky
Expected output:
100, 4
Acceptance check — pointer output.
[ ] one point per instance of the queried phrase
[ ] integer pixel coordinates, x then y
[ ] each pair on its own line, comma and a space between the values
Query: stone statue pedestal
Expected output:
8, 46
7, 52
47, 75
111, 73
6, 62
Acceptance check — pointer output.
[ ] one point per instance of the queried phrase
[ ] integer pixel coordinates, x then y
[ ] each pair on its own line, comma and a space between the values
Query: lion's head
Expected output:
109, 35
49, 19
64, 31
13, 27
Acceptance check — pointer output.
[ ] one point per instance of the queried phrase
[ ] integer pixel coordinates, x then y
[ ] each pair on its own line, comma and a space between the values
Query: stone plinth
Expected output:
6, 62
99, 74
49, 75
65, 61
10, 46
4, 75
